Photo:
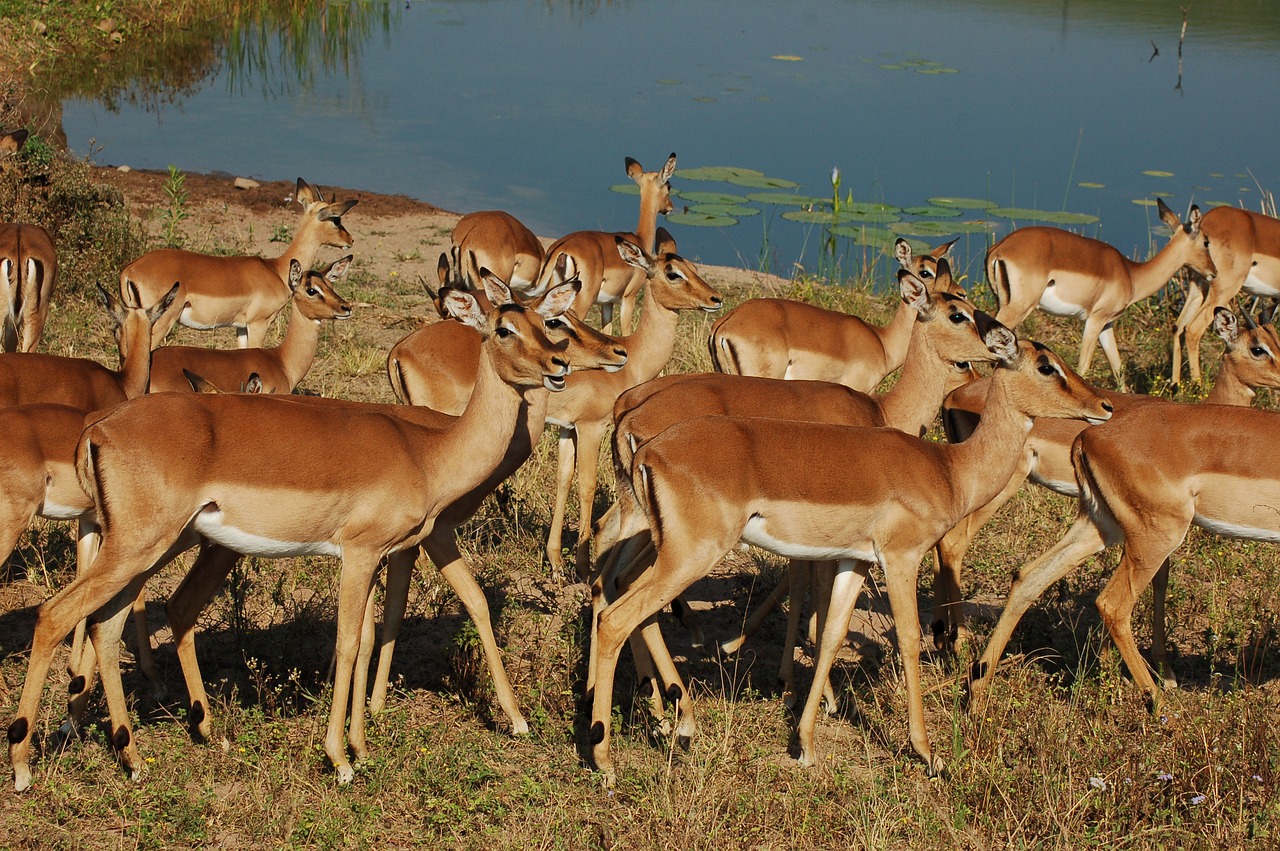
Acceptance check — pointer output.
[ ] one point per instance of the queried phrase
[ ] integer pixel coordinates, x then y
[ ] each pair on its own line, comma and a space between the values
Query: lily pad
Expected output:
711, 197
845, 216
728, 211
784, 57
717, 173
1053, 217
625, 189
876, 237
701, 220
932, 212
963, 203
762, 182
704, 99
934, 229
1156, 173
787, 199
1089, 185
937, 70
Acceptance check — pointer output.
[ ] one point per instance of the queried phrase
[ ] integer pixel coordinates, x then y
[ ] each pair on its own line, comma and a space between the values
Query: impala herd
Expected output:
783, 447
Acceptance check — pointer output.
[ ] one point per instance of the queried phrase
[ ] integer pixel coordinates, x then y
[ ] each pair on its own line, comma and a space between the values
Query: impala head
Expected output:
1192, 241
1251, 352
585, 347
1042, 384
324, 216
314, 294
130, 319
200, 384
948, 324
932, 268
513, 335
674, 282
658, 182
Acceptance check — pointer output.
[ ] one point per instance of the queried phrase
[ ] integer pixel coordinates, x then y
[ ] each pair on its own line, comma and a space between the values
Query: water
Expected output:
531, 108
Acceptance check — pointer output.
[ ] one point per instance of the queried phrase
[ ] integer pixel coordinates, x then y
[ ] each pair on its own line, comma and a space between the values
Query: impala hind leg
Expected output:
210, 569
395, 599
1082, 540
359, 570
105, 632
1159, 637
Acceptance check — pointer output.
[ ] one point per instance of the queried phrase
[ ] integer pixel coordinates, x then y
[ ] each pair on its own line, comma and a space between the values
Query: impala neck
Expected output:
304, 247
650, 347
895, 338
297, 351
647, 226
914, 401
135, 363
480, 437
530, 421
1147, 278
982, 465
1228, 389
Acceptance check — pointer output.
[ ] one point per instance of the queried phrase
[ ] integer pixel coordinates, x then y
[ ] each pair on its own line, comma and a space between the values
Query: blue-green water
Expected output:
531, 107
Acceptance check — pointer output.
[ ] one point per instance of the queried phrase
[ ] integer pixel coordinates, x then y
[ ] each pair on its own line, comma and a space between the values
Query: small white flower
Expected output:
1197, 800
835, 175
1258, 777
1097, 783
1164, 776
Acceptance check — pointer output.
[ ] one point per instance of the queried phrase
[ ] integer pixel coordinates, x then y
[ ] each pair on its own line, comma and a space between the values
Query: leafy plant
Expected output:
172, 216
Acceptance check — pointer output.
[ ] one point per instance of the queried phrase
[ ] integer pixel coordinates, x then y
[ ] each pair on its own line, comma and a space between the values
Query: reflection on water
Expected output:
1041, 105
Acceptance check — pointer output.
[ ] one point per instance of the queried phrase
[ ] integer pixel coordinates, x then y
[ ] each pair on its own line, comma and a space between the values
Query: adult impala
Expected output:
944, 340
247, 477
1145, 479
1245, 247
585, 410
1071, 275
1251, 360
313, 301
607, 279
784, 338
244, 293
28, 272
877, 495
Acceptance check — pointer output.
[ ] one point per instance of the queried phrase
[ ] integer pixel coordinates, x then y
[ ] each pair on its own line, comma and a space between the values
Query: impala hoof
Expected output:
21, 778
519, 727
935, 767
345, 774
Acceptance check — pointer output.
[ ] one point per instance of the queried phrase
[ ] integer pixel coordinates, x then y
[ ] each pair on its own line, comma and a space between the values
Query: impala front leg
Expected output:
358, 572
567, 451
848, 582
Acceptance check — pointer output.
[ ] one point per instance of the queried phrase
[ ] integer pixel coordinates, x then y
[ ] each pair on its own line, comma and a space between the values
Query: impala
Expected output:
585, 349
1245, 247
281, 368
83, 383
497, 241
585, 410
28, 272
1145, 479
246, 475
606, 278
876, 495
783, 338
1249, 361
1071, 275
945, 338
244, 293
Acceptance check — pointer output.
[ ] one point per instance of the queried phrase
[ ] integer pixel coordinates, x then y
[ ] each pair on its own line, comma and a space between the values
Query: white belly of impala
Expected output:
54, 511
756, 534
210, 523
185, 319
1050, 303
1254, 285
1236, 530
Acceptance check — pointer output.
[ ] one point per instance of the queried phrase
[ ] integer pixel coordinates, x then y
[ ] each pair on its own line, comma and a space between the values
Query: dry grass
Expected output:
1064, 756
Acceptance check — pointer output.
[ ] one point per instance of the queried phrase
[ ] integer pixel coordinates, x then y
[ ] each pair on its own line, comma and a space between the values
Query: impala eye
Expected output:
553, 322
958, 318
1047, 369
313, 292
503, 331
1258, 352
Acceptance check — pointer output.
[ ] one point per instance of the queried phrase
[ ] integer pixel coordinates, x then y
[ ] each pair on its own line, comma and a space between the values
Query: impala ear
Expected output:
496, 289
670, 168
305, 195
462, 306
902, 252
664, 243
162, 306
115, 309
253, 384
558, 299
1226, 326
442, 271
914, 292
1169, 217
334, 212
632, 254
199, 383
1193, 220
634, 169
940, 251
295, 274
337, 269
942, 279
1000, 341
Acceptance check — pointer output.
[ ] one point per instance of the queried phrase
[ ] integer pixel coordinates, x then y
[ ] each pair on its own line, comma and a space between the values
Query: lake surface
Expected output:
531, 107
